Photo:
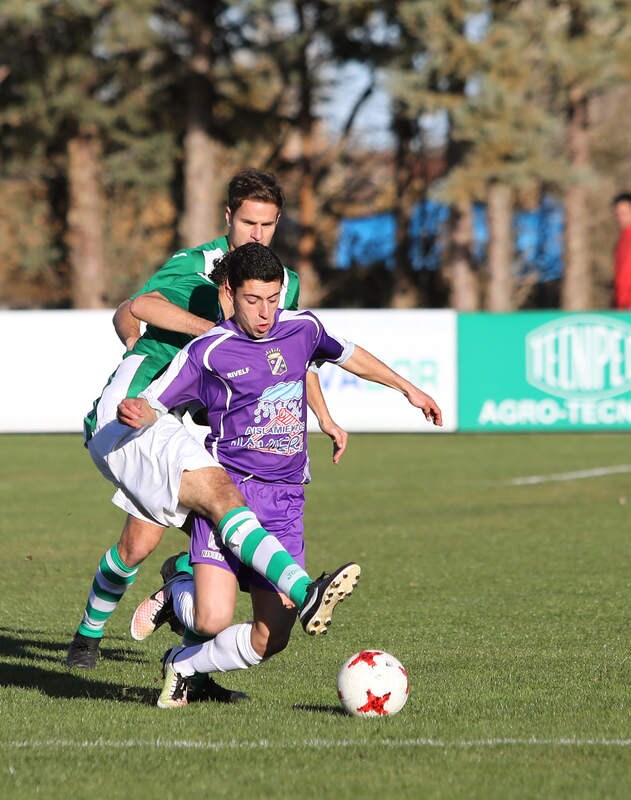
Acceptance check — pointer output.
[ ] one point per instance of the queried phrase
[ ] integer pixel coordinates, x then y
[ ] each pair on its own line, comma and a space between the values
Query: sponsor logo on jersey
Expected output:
237, 372
213, 555
278, 426
276, 361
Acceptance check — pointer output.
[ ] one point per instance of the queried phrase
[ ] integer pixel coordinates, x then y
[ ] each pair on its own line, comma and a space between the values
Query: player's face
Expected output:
253, 221
622, 211
255, 303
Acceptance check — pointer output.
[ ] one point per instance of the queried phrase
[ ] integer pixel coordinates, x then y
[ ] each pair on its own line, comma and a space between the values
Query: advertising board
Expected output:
544, 371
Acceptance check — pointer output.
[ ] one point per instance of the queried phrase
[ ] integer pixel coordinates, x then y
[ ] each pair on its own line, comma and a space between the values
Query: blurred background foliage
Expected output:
122, 121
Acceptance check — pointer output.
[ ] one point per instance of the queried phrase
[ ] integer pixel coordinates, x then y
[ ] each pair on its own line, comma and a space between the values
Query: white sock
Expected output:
183, 605
230, 649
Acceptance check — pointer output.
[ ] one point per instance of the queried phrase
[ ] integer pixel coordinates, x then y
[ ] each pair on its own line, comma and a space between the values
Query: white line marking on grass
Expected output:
318, 744
597, 472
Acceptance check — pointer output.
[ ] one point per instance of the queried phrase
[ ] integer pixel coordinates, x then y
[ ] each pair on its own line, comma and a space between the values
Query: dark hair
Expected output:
623, 197
219, 274
251, 261
250, 184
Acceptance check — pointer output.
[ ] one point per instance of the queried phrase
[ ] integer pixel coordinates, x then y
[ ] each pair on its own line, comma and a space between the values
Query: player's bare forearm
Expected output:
317, 404
366, 366
136, 412
155, 309
126, 325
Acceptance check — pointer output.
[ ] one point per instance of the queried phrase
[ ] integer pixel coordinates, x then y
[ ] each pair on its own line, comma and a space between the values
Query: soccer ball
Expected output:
372, 684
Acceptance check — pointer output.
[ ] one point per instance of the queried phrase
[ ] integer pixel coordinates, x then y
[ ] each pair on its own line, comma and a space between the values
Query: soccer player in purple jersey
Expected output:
249, 373
178, 302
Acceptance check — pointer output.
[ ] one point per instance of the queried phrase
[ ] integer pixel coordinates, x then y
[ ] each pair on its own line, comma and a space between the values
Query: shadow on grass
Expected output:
65, 682
319, 709
15, 644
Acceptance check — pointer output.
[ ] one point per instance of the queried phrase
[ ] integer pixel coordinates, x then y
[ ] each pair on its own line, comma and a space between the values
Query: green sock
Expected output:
183, 564
110, 583
242, 533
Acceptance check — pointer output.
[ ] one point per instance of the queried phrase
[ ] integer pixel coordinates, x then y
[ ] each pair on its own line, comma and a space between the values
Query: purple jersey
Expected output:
254, 390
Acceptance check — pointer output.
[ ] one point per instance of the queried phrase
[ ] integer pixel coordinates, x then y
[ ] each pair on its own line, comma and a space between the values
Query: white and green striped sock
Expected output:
111, 581
243, 534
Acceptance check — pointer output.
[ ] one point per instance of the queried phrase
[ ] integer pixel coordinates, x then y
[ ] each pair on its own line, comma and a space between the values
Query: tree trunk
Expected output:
202, 190
458, 269
576, 289
310, 285
405, 293
202, 185
500, 290
85, 221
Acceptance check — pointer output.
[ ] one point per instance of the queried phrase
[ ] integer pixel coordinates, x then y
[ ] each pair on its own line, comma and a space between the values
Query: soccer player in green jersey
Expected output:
178, 303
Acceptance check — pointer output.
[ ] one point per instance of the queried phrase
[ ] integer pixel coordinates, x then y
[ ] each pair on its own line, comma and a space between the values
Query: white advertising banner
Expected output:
55, 364
418, 344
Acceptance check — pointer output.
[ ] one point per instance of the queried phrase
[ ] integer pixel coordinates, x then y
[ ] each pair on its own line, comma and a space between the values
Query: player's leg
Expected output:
166, 472
237, 647
205, 604
203, 613
177, 601
115, 574
133, 465
273, 549
317, 608
212, 494
274, 616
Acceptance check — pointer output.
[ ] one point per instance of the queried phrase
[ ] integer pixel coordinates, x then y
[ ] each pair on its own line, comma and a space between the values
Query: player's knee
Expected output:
210, 622
133, 551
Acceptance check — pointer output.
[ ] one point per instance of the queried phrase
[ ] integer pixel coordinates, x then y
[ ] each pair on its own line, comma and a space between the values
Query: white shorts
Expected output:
147, 467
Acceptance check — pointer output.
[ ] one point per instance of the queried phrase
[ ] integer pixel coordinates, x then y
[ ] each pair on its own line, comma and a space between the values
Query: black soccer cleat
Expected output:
324, 594
203, 688
169, 568
83, 652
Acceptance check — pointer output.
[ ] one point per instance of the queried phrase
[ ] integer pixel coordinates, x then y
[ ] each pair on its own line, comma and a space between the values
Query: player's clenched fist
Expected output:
136, 412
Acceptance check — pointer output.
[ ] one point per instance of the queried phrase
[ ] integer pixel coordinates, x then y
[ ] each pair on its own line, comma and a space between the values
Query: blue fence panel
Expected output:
372, 239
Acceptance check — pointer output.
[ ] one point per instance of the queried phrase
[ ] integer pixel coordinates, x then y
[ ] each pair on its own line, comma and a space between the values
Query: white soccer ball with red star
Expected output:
372, 684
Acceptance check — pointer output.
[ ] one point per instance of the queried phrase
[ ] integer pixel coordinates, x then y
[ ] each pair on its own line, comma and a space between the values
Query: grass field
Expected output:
507, 602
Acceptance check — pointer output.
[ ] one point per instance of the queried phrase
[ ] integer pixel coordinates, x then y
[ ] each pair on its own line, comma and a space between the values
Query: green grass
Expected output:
507, 604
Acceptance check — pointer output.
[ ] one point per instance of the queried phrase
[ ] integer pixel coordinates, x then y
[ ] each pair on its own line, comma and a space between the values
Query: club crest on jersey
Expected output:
276, 362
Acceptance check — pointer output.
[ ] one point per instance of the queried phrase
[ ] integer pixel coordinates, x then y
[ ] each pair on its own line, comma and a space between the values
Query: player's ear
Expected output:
228, 216
229, 292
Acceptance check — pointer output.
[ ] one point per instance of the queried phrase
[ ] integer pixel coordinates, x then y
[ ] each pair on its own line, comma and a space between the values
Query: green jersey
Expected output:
185, 281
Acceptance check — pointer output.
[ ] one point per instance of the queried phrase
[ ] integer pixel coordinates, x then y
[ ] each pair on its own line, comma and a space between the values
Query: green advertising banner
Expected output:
544, 370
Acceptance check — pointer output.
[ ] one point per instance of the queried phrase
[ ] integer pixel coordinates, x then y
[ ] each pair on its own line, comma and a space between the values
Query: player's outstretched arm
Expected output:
136, 412
366, 366
154, 309
318, 405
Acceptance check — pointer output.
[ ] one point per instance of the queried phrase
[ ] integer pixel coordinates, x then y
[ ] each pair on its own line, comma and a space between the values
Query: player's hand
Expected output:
427, 404
135, 412
338, 436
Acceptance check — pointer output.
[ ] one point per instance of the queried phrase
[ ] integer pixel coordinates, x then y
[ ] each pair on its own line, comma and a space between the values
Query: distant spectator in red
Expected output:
622, 262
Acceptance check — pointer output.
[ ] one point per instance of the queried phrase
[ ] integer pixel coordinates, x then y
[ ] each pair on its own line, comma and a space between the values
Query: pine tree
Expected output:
584, 45
73, 96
